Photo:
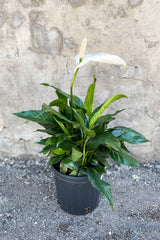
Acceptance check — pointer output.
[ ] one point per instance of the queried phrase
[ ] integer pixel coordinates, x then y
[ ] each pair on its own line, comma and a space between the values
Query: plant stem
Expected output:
71, 89
84, 152
90, 157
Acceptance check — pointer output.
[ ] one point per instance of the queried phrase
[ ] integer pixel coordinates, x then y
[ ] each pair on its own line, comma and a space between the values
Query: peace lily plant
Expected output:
80, 139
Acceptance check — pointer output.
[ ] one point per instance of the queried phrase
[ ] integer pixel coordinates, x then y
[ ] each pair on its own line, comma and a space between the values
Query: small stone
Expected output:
157, 166
110, 233
135, 177
76, 3
135, 3
17, 19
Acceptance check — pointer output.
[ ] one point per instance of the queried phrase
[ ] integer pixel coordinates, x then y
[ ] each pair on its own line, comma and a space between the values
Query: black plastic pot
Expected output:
75, 195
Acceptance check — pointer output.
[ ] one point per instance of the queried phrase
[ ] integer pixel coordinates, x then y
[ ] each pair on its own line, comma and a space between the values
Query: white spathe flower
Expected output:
103, 58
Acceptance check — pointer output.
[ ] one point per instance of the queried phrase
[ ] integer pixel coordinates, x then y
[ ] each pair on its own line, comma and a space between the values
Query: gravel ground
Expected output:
29, 209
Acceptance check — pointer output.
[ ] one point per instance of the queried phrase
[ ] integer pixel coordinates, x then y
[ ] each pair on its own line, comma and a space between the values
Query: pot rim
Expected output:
72, 179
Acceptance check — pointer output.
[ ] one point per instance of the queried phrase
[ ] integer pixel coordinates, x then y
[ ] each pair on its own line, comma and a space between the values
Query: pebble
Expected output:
157, 166
135, 177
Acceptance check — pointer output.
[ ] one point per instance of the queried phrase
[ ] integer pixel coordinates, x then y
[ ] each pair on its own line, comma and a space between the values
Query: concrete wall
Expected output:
38, 42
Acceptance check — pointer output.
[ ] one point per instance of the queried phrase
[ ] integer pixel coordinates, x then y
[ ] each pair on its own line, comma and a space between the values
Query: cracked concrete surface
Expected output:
29, 208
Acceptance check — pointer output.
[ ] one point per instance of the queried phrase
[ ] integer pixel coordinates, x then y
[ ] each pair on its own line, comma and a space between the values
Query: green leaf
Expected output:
107, 118
53, 160
101, 157
47, 149
81, 120
105, 163
123, 158
37, 116
90, 98
129, 135
63, 168
59, 151
69, 163
65, 130
61, 138
60, 93
94, 162
42, 141
99, 110
51, 141
76, 154
74, 173
100, 169
59, 103
125, 148
100, 185
52, 112
78, 103
66, 145
104, 138
50, 131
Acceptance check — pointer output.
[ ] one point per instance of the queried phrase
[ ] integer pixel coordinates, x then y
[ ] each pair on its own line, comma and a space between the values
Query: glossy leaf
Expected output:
101, 157
54, 160
81, 120
48, 148
99, 110
100, 185
100, 169
69, 163
78, 103
61, 138
50, 131
47, 109
59, 103
104, 138
66, 145
125, 148
90, 98
37, 116
107, 118
122, 158
59, 151
128, 135
76, 154
95, 162
74, 173
63, 94
42, 141
65, 130
51, 141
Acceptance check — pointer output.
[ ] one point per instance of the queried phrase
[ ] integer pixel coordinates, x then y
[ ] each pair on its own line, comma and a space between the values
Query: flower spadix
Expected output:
103, 58
82, 48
